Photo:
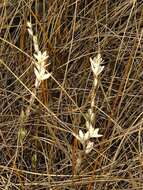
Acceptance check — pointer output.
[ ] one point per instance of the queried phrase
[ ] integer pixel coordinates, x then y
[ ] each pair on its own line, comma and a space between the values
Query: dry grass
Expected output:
41, 152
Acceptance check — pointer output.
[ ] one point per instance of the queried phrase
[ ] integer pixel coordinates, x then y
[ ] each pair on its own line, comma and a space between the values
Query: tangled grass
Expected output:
39, 151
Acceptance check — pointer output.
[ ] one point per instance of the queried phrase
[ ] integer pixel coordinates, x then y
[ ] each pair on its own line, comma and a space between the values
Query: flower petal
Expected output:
38, 66
35, 56
95, 133
37, 74
30, 31
46, 76
37, 83
86, 136
81, 135
91, 130
29, 24
45, 54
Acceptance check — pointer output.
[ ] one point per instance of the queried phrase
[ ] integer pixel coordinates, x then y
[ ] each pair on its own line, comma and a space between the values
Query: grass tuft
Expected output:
55, 99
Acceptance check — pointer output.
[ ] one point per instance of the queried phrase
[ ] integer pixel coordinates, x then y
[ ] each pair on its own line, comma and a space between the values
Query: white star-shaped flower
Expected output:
93, 133
81, 136
41, 57
84, 137
41, 74
96, 66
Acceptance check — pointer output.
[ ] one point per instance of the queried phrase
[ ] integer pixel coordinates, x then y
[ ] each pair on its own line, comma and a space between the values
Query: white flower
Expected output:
29, 24
40, 58
96, 64
84, 137
93, 133
41, 74
89, 147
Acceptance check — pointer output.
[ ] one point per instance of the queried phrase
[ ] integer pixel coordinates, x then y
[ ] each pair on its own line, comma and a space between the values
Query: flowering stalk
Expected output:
40, 71
39, 62
91, 132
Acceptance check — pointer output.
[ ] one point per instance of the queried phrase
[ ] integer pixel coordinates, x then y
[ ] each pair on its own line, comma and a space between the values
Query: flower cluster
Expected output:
96, 66
39, 60
40, 68
84, 138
